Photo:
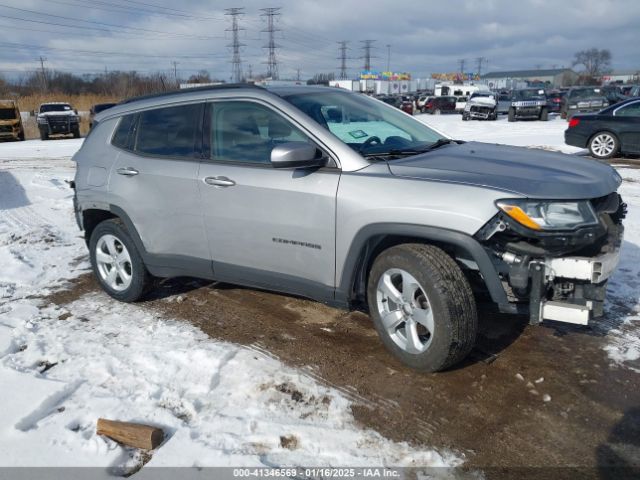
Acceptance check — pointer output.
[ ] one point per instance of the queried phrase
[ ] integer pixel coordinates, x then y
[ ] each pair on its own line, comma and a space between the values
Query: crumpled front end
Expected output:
557, 275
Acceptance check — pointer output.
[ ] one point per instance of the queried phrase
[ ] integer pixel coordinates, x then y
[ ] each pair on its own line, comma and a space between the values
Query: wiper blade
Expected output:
394, 152
439, 143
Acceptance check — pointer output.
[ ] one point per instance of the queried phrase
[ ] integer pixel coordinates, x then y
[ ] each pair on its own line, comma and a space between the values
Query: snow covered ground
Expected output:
221, 404
548, 135
61, 368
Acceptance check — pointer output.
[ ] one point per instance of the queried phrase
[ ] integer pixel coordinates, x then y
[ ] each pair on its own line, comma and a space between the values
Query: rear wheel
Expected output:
422, 306
116, 262
604, 145
512, 115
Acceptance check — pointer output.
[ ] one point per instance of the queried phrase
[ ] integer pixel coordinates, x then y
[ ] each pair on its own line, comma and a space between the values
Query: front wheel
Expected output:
544, 115
44, 135
512, 115
422, 306
116, 262
604, 145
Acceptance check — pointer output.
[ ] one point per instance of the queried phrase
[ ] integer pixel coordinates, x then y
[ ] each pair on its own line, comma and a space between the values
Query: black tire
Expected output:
76, 133
465, 117
44, 135
141, 280
598, 155
21, 136
493, 116
512, 115
449, 295
544, 114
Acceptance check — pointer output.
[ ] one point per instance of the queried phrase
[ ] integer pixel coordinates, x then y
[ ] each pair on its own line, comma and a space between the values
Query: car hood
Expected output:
526, 172
64, 113
482, 101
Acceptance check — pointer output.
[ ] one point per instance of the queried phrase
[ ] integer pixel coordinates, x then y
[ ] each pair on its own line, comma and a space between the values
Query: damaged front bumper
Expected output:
560, 277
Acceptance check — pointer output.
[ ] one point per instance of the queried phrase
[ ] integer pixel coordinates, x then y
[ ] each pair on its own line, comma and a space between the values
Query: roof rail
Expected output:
222, 86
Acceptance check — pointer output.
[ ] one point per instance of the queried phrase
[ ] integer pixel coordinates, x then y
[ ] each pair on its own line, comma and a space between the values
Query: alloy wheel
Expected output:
113, 262
405, 311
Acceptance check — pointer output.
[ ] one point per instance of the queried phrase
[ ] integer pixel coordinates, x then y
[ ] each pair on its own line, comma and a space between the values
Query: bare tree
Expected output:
596, 62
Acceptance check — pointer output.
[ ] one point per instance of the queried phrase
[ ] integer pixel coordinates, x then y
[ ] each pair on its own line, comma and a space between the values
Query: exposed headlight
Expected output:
549, 215
573, 107
42, 119
75, 119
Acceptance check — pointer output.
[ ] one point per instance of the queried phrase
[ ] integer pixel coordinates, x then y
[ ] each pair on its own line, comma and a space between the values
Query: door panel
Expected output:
266, 227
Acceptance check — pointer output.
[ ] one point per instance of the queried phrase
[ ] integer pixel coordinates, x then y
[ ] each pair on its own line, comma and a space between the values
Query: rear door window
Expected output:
631, 110
170, 131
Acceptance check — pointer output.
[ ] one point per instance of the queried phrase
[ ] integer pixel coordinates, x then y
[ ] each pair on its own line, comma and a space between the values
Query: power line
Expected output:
235, 45
343, 59
146, 30
367, 46
272, 63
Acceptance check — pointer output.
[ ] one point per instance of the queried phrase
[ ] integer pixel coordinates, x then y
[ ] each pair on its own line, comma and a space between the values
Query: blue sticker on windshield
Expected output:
358, 133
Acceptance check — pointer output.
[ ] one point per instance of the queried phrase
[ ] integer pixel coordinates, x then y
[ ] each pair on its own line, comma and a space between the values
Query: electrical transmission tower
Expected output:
481, 60
272, 63
367, 46
236, 70
343, 59
462, 61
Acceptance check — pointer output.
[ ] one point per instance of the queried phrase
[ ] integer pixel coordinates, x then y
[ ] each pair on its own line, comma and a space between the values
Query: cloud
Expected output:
425, 36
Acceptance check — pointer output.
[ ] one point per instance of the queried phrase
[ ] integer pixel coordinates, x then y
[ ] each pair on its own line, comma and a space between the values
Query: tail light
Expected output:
574, 122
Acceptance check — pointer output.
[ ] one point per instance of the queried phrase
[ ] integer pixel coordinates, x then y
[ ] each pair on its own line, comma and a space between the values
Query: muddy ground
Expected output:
544, 397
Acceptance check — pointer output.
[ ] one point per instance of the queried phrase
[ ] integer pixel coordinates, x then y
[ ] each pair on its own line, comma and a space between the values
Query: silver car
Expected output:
341, 198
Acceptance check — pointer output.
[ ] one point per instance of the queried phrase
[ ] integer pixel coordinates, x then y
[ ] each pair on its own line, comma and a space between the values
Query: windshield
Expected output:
585, 93
529, 95
7, 114
56, 107
366, 125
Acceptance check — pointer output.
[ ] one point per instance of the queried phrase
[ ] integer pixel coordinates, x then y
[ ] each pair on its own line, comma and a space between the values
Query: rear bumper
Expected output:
575, 139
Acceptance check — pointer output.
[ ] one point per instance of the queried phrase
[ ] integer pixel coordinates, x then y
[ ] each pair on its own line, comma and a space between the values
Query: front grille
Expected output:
58, 120
6, 129
528, 110
485, 110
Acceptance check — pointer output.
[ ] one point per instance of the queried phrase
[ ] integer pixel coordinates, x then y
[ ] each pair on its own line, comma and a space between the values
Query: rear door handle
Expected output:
127, 171
219, 181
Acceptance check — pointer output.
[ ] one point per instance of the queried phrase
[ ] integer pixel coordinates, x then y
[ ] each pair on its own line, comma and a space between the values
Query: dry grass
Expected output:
81, 102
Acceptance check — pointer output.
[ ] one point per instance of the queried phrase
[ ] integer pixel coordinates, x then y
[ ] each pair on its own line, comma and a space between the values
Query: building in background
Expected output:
555, 77
622, 76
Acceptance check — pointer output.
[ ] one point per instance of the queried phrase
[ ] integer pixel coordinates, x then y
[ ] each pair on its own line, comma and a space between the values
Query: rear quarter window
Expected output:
122, 135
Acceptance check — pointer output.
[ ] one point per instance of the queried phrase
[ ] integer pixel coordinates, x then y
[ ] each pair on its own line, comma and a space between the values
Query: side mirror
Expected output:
296, 155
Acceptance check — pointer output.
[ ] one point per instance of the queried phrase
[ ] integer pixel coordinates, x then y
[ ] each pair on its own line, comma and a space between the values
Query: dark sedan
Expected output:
614, 130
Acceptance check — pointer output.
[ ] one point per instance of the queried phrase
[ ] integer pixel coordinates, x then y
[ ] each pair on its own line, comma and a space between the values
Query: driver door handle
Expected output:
219, 181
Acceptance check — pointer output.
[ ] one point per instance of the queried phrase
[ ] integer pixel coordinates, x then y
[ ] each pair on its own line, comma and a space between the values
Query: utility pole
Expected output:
367, 46
43, 73
175, 71
462, 61
250, 71
480, 60
388, 57
272, 63
343, 59
236, 69
297, 74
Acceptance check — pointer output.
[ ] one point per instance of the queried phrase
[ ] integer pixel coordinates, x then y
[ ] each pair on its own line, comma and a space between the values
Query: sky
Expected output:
425, 36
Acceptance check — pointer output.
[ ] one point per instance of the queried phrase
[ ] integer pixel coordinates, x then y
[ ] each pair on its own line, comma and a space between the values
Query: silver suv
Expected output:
340, 198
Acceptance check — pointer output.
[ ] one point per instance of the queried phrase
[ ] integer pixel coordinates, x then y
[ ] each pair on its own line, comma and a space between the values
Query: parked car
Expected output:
407, 107
528, 103
391, 100
97, 109
461, 102
583, 100
630, 90
613, 94
256, 187
11, 127
504, 102
422, 100
614, 130
438, 105
58, 118
481, 106
554, 100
